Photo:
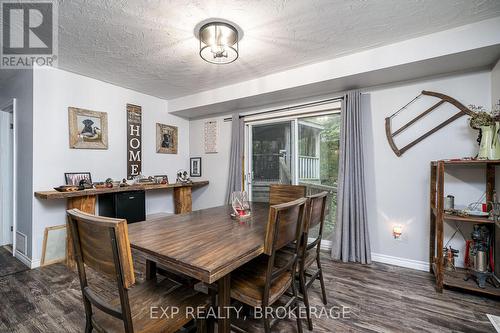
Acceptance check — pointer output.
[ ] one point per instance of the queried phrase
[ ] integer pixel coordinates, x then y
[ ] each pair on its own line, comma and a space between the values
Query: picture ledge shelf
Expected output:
465, 162
61, 195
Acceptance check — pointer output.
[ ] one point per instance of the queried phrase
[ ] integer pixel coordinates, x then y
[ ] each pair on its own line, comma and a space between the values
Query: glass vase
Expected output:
239, 201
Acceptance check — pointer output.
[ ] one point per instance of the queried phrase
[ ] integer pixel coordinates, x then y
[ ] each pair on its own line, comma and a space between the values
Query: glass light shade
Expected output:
218, 43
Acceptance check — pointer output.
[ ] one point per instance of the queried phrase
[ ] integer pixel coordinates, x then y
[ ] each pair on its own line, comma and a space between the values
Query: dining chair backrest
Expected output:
281, 193
102, 244
284, 225
315, 215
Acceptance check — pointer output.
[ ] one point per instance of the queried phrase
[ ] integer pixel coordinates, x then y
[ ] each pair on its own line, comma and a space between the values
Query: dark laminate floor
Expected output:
381, 298
9, 264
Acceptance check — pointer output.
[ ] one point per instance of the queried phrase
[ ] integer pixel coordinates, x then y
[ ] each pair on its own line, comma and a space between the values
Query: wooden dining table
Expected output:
206, 245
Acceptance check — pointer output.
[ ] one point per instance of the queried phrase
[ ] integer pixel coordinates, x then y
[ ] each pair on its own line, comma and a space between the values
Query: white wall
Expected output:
55, 91
20, 86
397, 188
495, 84
215, 167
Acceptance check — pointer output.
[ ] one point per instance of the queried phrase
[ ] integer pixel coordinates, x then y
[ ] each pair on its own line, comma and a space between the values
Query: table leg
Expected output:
85, 204
150, 269
213, 304
183, 200
224, 301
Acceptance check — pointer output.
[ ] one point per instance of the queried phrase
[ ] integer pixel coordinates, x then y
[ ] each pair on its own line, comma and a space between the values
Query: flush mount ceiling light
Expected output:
218, 42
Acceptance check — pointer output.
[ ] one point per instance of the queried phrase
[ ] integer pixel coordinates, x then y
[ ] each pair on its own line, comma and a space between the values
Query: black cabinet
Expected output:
124, 205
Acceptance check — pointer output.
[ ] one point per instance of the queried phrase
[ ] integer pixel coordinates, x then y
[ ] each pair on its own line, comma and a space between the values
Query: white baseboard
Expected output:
402, 262
383, 258
27, 261
35, 263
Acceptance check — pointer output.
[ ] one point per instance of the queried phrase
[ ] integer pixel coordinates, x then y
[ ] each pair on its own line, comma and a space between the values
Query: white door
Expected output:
6, 177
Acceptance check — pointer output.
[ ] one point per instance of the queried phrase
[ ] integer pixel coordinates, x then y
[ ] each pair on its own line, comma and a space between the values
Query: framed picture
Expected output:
195, 168
161, 179
87, 129
74, 178
211, 133
166, 139
54, 245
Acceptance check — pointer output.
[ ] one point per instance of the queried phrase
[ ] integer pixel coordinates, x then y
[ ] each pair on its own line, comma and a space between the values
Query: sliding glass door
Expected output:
318, 146
295, 150
270, 157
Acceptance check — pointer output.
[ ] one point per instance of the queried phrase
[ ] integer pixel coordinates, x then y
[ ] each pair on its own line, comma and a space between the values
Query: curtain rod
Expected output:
299, 106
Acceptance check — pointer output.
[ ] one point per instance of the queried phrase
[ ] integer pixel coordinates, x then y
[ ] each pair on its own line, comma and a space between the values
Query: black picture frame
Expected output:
73, 178
193, 171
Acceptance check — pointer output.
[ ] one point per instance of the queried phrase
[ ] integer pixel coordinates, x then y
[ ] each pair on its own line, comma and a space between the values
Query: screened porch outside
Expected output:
316, 165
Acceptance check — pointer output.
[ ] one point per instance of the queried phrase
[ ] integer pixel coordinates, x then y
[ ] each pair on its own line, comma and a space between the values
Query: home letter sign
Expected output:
134, 140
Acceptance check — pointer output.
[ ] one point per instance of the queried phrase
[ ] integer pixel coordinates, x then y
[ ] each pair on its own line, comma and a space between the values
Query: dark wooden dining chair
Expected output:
260, 283
309, 252
102, 244
281, 193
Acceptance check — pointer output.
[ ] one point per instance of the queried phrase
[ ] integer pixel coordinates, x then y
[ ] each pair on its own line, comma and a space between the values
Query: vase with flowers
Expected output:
488, 124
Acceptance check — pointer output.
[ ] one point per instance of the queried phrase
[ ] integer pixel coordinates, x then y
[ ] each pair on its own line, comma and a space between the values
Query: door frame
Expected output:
326, 244
12, 105
293, 118
248, 174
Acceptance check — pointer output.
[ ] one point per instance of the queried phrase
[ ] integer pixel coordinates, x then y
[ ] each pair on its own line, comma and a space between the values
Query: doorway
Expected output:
300, 149
270, 157
7, 176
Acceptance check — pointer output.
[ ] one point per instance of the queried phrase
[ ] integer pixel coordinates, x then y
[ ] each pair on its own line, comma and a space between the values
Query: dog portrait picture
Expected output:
87, 129
166, 139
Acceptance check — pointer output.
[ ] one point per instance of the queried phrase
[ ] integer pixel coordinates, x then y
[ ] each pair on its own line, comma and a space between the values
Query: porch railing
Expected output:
267, 167
308, 168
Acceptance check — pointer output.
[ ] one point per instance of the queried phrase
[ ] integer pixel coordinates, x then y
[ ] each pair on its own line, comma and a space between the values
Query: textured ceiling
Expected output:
149, 46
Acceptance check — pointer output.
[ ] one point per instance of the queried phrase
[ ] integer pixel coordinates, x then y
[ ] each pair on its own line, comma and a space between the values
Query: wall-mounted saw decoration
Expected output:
443, 99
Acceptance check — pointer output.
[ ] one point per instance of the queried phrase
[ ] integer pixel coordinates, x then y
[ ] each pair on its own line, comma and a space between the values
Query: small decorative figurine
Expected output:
109, 183
183, 177
85, 184
144, 180
449, 258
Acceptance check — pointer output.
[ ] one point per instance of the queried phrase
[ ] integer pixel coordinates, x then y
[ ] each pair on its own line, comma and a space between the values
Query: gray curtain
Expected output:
236, 156
351, 240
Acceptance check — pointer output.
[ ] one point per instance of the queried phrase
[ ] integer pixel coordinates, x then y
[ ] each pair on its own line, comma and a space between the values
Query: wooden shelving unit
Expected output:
438, 217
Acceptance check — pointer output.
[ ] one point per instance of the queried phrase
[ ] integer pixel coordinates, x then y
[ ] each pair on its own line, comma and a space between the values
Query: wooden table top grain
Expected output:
205, 244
